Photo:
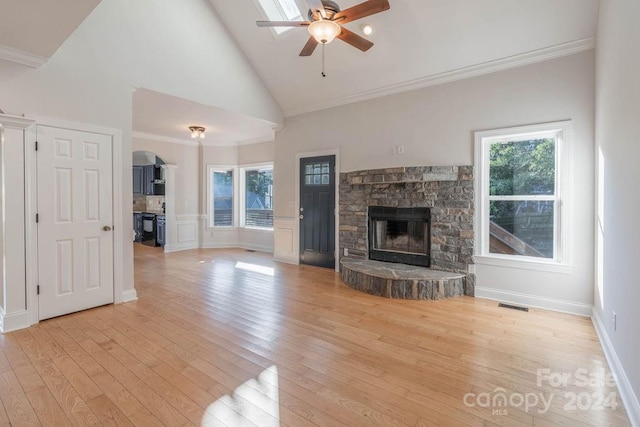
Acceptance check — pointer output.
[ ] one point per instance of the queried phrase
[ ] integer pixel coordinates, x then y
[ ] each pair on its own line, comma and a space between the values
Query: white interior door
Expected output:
75, 220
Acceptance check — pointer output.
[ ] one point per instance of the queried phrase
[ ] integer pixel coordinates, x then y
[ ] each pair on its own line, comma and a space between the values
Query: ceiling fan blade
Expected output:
354, 40
317, 7
282, 23
308, 48
361, 10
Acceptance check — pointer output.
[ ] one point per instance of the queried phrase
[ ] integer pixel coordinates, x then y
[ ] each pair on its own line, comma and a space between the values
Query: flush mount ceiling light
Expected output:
197, 132
367, 29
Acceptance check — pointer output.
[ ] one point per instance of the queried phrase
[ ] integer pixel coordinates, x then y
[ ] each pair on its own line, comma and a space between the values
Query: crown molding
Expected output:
514, 61
257, 140
161, 138
217, 142
16, 122
22, 57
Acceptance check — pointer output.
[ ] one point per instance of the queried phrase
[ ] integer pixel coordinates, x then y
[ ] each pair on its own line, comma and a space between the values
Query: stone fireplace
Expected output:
441, 198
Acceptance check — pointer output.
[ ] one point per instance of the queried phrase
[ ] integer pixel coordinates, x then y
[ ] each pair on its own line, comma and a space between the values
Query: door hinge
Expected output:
36, 145
37, 218
38, 290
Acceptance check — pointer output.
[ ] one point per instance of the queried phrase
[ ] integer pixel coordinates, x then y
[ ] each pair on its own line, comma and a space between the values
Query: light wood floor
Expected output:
229, 337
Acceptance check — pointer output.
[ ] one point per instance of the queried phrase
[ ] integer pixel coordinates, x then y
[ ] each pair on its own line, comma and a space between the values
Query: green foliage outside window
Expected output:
524, 168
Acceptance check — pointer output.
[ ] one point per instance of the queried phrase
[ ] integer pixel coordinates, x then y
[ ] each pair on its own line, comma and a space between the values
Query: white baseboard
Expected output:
258, 248
286, 260
219, 246
534, 301
14, 321
129, 295
628, 397
181, 247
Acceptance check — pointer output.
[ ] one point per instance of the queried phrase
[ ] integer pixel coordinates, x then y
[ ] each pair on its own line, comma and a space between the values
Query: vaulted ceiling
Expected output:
417, 43
39, 27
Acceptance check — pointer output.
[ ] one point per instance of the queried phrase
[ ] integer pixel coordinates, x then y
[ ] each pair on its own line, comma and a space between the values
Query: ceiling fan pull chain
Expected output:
323, 74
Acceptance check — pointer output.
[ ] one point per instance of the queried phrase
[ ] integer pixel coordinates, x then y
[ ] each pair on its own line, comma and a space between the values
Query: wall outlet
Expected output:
400, 149
392, 150
615, 321
346, 251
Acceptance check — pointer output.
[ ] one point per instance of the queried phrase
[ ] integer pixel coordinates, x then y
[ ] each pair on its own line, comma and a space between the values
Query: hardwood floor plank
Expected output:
4, 418
15, 402
209, 343
146, 395
22, 367
47, 408
125, 401
108, 412
67, 397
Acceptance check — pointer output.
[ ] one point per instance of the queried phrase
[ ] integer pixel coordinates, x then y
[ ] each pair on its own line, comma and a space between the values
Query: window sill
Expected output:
524, 264
265, 229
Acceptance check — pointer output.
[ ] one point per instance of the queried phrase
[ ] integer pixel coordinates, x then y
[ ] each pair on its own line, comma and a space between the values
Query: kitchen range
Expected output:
150, 228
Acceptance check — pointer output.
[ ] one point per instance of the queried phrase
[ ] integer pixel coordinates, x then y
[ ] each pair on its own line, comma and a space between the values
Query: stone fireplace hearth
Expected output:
447, 191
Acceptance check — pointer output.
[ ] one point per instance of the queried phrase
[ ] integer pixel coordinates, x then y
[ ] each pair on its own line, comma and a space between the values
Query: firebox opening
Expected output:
400, 235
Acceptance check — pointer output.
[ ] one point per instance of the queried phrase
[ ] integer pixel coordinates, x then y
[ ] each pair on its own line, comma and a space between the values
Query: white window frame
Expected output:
562, 132
210, 211
243, 195
279, 31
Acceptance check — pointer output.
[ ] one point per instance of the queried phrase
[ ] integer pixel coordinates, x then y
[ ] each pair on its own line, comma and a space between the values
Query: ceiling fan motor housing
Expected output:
330, 7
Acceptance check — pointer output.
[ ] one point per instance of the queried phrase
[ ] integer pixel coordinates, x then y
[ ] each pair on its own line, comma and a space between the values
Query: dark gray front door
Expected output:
317, 211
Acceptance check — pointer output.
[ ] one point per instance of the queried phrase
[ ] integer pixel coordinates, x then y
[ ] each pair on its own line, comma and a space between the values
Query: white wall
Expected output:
618, 228
163, 45
436, 127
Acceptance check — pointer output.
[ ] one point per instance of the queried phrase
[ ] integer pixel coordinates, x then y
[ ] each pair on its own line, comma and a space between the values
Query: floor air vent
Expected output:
250, 250
513, 307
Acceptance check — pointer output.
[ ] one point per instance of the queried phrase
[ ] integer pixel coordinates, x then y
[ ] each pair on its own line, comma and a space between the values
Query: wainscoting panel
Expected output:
220, 237
284, 240
256, 239
186, 232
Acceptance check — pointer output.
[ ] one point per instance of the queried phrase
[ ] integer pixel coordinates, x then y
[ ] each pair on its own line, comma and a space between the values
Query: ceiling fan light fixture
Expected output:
197, 132
324, 31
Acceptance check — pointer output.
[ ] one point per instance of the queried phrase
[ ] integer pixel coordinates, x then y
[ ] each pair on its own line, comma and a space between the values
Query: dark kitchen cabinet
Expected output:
137, 226
161, 230
138, 181
149, 179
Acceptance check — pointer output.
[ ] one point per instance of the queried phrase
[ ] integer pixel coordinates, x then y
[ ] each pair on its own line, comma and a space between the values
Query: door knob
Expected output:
301, 216
106, 228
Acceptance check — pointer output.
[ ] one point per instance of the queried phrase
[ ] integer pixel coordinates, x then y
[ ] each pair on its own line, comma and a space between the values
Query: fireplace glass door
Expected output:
400, 236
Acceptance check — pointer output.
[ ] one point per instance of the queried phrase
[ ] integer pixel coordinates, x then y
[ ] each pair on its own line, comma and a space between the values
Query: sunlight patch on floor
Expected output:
254, 402
269, 271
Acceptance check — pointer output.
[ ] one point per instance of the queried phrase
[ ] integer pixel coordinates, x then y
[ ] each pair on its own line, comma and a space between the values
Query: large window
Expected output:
281, 10
222, 197
258, 197
520, 192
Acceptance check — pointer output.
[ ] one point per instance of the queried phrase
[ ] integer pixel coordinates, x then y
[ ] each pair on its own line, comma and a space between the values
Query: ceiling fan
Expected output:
326, 20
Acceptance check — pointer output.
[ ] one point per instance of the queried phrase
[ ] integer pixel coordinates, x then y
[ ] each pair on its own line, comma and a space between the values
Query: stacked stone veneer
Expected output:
447, 190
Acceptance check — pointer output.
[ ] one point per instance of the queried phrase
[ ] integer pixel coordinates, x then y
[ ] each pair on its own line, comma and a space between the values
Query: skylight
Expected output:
281, 10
